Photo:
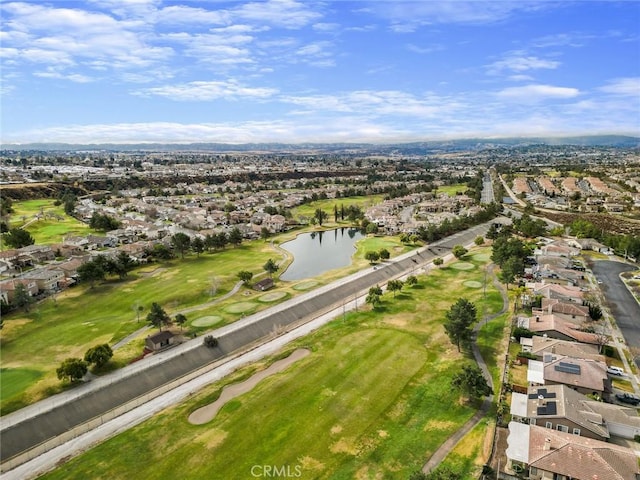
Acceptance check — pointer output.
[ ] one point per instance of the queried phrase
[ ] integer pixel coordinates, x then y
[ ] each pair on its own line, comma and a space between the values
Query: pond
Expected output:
318, 252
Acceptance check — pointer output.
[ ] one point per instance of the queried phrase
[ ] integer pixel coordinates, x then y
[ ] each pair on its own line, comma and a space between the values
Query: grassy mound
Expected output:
305, 285
472, 284
463, 266
206, 321
272, 296
241, 307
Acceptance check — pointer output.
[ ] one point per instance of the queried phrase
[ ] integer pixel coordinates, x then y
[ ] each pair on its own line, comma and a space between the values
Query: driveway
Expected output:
623, 306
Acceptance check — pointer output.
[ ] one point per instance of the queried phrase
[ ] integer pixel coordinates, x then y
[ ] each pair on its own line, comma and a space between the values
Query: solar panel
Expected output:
548, 409
567, 368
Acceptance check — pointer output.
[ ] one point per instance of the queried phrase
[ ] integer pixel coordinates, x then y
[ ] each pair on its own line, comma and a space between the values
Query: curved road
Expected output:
41, 422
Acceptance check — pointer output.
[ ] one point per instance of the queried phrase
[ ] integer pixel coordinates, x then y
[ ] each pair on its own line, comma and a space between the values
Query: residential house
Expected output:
538, 345
568, 311
586, 376
560, 408
566, 293
7, 288
46, 280
554, 326
541, 453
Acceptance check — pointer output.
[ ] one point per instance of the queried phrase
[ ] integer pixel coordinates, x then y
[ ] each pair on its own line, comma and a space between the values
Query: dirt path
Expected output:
440, 454
208, 412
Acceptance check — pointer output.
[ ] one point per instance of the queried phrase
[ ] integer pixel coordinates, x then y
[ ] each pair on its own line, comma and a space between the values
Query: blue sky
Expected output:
303, 71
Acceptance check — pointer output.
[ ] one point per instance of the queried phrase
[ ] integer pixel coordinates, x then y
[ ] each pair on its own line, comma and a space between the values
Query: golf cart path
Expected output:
440, 454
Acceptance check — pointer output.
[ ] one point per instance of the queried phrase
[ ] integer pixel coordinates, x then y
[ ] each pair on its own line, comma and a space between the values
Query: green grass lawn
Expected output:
82, 317
452, 190
48, 229
372, 400
308, 210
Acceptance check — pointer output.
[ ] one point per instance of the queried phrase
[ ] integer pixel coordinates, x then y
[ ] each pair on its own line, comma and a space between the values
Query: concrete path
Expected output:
441, 453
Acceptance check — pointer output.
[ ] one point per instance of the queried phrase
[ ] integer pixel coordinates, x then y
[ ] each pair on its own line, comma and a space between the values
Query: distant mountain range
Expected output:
463, 144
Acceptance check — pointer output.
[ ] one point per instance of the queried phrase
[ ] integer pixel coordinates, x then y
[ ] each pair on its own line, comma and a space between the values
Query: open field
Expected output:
307, 211
452, 190
372, 400
53, 225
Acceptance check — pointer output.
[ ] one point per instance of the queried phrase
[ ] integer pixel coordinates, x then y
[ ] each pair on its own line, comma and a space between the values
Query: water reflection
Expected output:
317, 252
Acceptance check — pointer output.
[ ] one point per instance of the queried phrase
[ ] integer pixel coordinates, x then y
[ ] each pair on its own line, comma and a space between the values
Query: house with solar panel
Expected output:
586, 376
561, 408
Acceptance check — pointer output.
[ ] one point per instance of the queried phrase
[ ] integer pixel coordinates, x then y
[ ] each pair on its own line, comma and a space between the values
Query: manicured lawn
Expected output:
372, 400
81, 317
53, 225
14, 381
452, 190
308, 210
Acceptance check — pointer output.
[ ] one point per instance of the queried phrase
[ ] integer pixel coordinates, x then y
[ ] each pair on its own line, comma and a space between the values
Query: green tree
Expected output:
372, 299
595, 312
320, 216
384, 254
371, 256
91, 272
72, 369
264, 233
123, 264
18, 238
235, 236
470, 381
157, 316
511, 269
181, 242
197, 245
458, 321
459, 251
180, 320
372, 228
335, 213
245, 276
438, 261
21, 297
411, 280
394, 286
270, 267
376, 290
103, 223
99, 355
479, 240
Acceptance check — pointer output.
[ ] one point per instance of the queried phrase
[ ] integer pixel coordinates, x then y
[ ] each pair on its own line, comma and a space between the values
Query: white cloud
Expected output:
73, 77
518, 62
436, 47
378, 103
283, 13
207, 91
407, 16
624, 86
536, 92
180, 14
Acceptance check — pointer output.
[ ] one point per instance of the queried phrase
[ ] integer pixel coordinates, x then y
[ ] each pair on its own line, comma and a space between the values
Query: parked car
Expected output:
615, 371
627, 398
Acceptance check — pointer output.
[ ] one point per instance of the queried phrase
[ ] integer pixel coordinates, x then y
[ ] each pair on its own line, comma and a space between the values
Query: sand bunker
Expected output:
208, 412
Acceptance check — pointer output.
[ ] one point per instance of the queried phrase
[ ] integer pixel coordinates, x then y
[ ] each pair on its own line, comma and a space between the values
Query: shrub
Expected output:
210, 341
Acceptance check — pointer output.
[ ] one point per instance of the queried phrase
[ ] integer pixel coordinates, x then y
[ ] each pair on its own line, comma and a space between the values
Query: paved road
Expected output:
22, 430
487, 189
623, 306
